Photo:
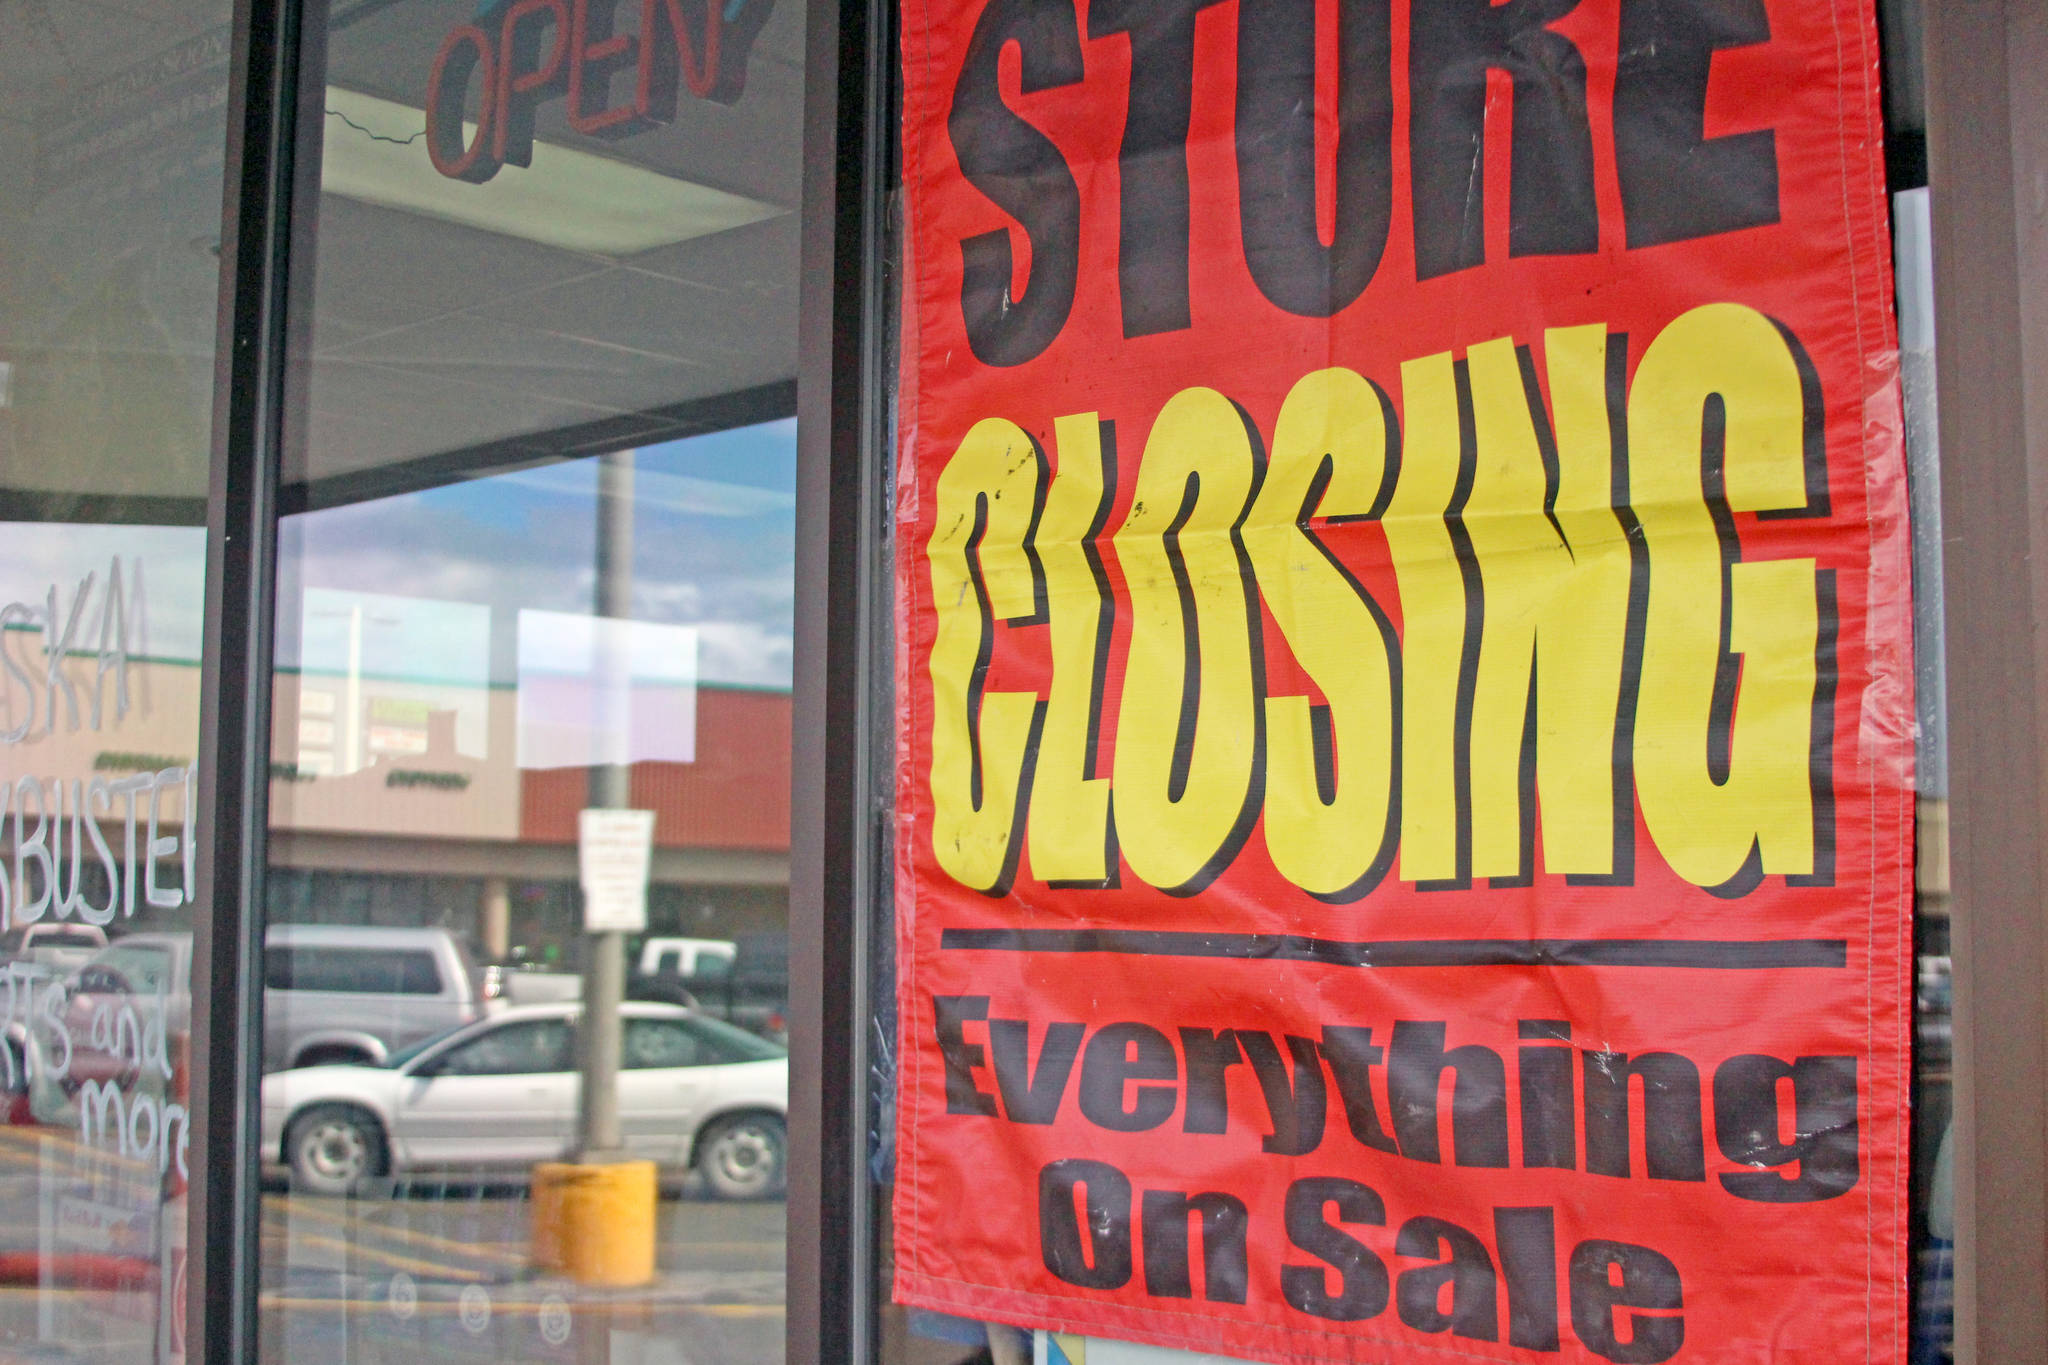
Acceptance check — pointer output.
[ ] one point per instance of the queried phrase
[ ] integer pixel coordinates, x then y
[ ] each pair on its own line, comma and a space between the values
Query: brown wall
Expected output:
735, 795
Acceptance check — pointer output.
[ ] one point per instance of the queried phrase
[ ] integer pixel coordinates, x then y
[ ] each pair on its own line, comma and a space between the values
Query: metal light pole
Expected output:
594, 1216
604, 964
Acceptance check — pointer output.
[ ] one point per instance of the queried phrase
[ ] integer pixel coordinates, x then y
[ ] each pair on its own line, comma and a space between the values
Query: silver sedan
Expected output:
501, 1094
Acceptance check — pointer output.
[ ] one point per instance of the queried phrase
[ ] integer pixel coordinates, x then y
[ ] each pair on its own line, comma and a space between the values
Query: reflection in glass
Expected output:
440, 704
518, 278
111, 137
1933, 1204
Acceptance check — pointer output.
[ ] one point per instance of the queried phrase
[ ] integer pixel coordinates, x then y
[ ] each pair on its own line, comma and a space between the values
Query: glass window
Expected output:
112, 132
1932, 1221
68, 939
723, 1042
519, 1049
356, 970
129, 970
398, 1060
537, 557
653, 1043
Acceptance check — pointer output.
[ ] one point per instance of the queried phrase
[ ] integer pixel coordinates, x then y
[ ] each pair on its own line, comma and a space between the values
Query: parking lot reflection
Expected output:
441, 1270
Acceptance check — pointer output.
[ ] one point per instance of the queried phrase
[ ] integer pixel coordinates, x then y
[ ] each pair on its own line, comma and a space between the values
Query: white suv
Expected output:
343, 993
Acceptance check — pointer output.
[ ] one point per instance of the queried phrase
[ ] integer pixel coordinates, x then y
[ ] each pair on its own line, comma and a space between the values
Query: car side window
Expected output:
352, 971
138, 971
417, 974
100, 979
527, 1047
719, 1042
652, 1043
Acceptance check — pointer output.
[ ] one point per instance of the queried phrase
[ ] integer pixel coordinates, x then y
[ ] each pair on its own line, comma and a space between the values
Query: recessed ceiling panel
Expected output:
610, 276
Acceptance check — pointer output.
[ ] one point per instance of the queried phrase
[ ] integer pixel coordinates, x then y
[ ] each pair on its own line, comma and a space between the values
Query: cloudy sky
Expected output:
714, 546
163, 570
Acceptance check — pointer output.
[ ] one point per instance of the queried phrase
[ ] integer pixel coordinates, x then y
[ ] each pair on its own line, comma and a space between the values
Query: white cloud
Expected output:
163, 579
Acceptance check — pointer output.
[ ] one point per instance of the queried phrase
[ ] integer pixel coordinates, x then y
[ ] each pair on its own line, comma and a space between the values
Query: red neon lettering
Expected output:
596, 54
546, 48
465, 53
524, 81
660, 62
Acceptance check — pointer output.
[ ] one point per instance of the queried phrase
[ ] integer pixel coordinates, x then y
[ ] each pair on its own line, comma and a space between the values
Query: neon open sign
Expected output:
522, 54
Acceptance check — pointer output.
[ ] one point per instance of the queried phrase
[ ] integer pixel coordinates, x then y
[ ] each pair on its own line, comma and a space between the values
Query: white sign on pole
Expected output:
615, 851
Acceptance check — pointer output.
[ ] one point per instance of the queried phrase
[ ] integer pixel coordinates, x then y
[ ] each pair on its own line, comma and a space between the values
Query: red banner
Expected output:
1405, 756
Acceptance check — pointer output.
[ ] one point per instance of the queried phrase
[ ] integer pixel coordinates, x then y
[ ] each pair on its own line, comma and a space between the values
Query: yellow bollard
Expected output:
546, 1252
595, 1223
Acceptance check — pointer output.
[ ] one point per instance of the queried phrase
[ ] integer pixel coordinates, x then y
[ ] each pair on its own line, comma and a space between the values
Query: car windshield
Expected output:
405, 1054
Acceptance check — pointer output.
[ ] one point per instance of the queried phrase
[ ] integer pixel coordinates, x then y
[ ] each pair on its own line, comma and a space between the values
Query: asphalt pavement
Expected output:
417, 1271
440, 1272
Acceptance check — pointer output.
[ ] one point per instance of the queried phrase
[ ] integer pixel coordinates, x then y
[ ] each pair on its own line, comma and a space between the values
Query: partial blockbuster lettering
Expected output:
139, 830
38, 699
1581, 628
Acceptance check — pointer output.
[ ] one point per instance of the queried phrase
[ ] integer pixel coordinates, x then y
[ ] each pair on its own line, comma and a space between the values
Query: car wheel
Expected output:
743, 1157
332, 1149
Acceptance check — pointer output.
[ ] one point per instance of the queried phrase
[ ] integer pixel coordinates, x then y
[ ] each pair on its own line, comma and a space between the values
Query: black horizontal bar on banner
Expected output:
1715, 954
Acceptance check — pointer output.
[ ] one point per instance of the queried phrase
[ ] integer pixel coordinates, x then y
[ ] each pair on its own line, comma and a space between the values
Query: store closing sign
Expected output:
1405, 751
